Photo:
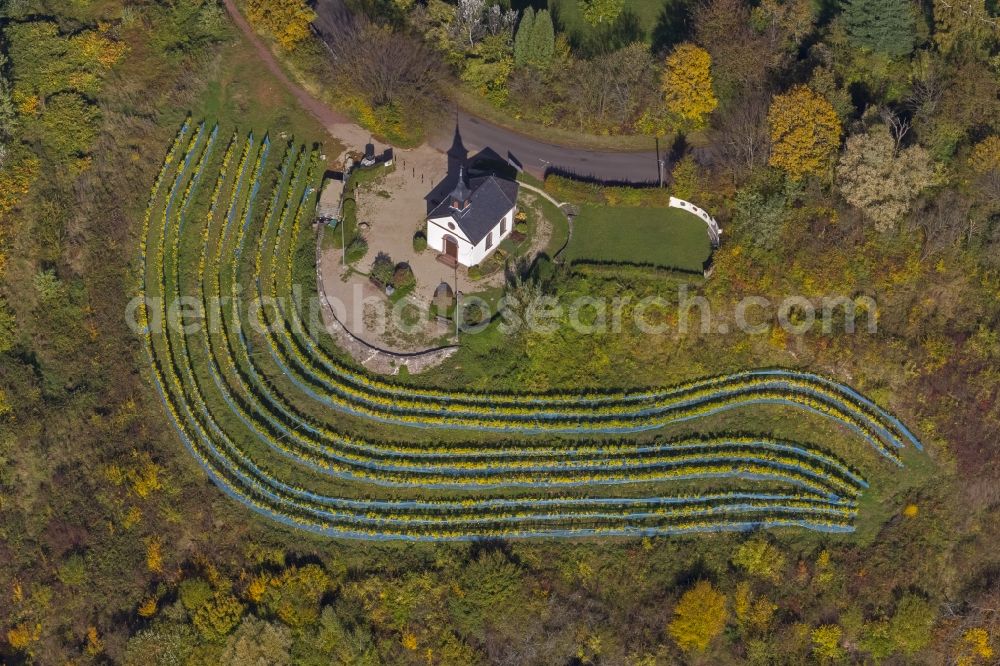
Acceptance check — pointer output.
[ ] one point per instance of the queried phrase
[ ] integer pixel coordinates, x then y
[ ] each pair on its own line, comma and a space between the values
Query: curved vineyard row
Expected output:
257, 441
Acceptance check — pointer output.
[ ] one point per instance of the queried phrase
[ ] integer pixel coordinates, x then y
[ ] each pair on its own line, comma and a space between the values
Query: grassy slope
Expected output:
660, 236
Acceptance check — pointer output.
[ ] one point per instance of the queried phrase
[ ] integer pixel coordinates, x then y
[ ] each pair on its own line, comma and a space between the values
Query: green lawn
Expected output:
666, 237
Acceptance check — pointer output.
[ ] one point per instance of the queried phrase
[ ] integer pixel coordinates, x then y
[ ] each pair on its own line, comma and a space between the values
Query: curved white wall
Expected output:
714, 230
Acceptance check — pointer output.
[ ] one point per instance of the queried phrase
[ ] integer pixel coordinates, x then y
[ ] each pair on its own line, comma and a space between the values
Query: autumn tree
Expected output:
369, 65
760, 558
256, 641
792, 20
610, 90
294, 596
826, 643
911, 625
964, 24
805, 132
741, 133
985, 163
699, 616
687, 85
753, 613
218, 616
885, 26
286, 20
881, 181
742, 57
985, 155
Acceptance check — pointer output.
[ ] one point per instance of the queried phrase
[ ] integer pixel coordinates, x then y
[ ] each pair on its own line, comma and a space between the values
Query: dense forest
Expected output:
847, 147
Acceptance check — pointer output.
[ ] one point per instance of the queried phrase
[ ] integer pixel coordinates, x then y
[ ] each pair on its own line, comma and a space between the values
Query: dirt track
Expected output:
323, 113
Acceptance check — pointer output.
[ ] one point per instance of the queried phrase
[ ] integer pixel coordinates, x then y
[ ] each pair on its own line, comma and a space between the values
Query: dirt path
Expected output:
320, 110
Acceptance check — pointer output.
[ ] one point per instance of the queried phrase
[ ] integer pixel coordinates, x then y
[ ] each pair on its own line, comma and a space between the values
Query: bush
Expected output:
382, 269
580, 192
419, 241
357, 249
402, 277
521, 227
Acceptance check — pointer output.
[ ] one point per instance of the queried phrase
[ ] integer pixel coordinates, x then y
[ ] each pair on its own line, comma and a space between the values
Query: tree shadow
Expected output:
673, 25
625, 30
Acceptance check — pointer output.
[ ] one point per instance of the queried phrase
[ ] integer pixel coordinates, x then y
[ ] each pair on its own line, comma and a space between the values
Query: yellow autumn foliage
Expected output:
985, 155
699, 617
23, 635
975, 647
286, 20
257, 587
687, 84
154, 556
16, 176
826, 642
95, 645
146, 479
805, 132
147, 608
219, 616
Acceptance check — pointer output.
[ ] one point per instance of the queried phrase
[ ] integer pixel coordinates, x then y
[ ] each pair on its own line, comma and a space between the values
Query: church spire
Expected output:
460, 195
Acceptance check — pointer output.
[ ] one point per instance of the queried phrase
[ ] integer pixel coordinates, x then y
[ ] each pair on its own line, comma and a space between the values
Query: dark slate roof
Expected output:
461, 191
490, 200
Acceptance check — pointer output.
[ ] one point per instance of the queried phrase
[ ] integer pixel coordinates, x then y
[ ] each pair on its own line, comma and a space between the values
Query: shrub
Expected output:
521, 227
382, 269
419, 241
579, 192
294, 597
402, 277
357, 249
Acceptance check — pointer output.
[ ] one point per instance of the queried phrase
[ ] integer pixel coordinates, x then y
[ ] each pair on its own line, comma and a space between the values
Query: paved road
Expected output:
534, 156
537, 156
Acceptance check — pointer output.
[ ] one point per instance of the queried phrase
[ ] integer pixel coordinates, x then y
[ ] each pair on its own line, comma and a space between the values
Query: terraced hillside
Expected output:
284, 426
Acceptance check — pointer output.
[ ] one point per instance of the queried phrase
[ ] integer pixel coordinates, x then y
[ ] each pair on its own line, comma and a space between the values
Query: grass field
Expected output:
666, 237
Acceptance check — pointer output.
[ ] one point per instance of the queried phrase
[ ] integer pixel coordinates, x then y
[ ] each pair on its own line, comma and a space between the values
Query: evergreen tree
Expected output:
541, 45
523, 37
885, 26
